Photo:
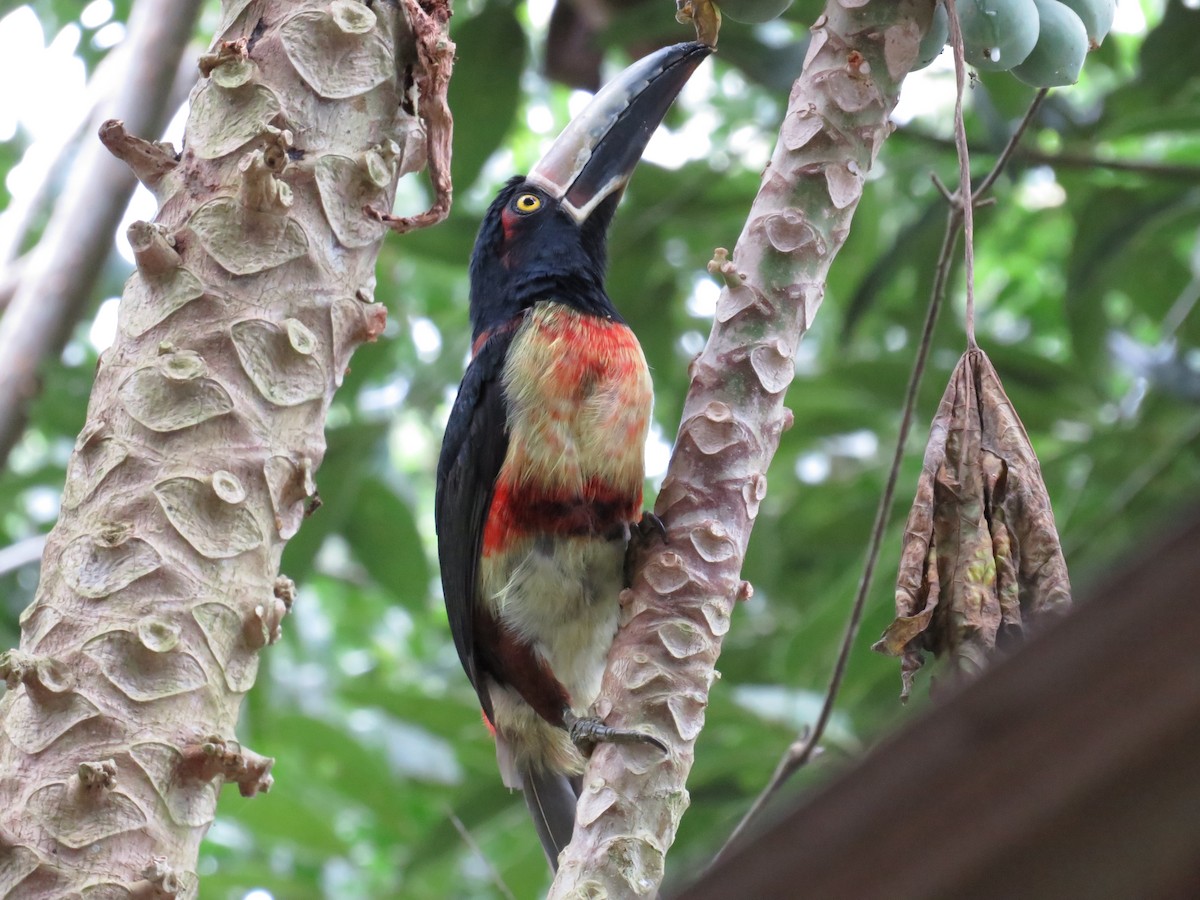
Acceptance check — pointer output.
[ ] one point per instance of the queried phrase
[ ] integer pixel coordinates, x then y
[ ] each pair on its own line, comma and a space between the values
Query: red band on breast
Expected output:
526, 510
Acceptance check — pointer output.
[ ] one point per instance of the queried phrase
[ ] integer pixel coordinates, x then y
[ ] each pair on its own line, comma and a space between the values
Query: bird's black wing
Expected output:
473, 451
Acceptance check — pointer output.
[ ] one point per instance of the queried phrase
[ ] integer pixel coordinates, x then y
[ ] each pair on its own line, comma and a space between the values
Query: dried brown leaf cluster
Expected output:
981, 562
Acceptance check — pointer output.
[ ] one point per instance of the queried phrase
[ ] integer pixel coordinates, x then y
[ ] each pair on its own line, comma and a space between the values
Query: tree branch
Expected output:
662, 663
805, 746
160, 581
1067, 160
56, 283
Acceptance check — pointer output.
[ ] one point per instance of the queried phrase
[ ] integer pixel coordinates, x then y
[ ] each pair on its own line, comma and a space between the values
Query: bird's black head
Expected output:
544, 237
529, 248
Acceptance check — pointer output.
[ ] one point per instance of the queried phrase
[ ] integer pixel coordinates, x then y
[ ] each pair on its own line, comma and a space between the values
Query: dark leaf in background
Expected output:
1165, 95
917, 243
484, 92
353, 452
573, 54
383, 535
1119, 244
1168, 56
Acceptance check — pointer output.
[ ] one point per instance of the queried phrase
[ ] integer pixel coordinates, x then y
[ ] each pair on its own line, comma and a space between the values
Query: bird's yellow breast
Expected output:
579, 399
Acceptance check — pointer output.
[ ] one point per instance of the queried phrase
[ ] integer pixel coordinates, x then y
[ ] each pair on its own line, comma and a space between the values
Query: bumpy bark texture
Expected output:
662, 664
160, 581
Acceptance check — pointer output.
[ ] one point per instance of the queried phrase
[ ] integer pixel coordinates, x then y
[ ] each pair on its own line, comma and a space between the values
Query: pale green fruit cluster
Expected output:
1042, 42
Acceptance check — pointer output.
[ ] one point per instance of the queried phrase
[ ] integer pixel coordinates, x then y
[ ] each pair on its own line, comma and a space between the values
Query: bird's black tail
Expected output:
551, 798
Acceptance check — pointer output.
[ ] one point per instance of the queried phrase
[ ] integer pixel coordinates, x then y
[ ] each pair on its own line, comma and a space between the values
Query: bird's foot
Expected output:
649, 525
641, 542
587, 731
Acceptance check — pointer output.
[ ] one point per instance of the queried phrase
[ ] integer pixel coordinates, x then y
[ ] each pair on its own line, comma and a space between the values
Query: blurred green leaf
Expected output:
484, 91
383, 533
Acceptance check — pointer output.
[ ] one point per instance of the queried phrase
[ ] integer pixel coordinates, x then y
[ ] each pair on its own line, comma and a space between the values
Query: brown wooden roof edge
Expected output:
1069, 770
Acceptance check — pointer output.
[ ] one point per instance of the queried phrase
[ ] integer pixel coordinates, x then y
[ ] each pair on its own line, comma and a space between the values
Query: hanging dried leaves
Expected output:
981, 562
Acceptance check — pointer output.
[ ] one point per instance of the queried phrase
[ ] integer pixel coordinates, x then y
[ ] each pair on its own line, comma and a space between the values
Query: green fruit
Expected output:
1097, 16
754, 12
1061, 47
935, 38
997, 34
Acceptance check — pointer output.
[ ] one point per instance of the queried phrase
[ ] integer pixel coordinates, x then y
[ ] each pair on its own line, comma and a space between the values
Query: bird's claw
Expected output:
641, 536
588, 730
651, 524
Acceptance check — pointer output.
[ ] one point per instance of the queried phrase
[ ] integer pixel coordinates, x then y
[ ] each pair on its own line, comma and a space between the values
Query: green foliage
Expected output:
1082, 275
485, 89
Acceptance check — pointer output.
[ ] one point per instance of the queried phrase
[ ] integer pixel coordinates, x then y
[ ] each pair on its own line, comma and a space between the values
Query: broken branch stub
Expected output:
981, 563
429, 25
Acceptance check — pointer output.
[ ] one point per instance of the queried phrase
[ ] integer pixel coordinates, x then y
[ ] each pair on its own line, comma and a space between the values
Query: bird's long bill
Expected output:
599, 149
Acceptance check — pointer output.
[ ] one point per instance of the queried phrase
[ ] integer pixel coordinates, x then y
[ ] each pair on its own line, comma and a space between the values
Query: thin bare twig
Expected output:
1180, 309
64, 265
802, 750
1169, 171
474, 847
805, 746
1014, 141
1149, 168
966, 203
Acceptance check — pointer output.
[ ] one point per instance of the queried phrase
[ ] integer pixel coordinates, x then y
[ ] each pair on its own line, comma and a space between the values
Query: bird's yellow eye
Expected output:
527, 203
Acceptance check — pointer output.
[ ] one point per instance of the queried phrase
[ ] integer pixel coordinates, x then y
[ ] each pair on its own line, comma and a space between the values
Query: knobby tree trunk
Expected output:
160, 581
678, 610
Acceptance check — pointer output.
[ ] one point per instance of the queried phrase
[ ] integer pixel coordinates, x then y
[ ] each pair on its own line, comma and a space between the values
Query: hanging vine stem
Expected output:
959, 219
966, 202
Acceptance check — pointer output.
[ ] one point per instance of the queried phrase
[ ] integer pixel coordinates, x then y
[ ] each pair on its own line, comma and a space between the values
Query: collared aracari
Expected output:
539, 483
